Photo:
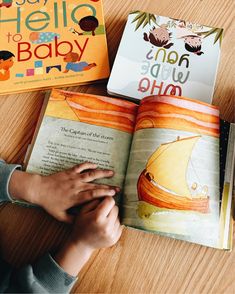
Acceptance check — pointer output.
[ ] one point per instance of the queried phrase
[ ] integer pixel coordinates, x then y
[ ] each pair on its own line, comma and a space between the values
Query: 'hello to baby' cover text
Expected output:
47, 43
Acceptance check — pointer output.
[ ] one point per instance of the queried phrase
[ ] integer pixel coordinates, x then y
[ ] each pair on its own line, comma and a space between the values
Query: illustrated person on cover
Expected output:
88, 24
94, 225
73, 64
159, 37
193, 44
6, 62
192, 41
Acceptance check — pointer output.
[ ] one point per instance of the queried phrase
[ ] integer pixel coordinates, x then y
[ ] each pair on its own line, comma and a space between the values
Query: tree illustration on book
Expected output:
144, 18
218, 34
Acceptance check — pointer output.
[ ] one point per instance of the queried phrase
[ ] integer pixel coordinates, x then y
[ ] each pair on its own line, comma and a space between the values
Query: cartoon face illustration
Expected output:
89, 24
6, 62
71, 57
193, 44
159, 37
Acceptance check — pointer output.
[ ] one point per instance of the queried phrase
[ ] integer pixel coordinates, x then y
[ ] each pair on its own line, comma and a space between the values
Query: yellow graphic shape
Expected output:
168, 165
60, 109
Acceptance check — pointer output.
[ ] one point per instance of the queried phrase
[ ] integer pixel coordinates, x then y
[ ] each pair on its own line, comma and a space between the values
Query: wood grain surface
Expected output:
140, 262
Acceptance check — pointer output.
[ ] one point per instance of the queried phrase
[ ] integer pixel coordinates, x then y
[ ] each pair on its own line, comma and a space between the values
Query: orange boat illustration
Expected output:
163, 182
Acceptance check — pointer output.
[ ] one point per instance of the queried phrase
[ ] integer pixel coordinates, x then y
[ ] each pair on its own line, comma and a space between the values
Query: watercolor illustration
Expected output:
163, 182
94, 110
172, 180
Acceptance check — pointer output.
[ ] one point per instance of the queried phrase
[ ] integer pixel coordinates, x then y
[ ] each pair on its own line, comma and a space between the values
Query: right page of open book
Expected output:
172, 182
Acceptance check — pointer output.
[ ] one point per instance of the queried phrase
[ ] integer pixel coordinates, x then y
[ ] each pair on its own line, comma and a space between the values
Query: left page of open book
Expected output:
47, 44
80, 127
172, 181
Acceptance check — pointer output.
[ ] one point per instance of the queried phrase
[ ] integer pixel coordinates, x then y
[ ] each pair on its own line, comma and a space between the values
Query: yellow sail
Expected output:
168, 165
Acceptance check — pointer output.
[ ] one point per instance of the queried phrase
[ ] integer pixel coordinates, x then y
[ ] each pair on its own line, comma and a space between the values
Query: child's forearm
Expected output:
72, 257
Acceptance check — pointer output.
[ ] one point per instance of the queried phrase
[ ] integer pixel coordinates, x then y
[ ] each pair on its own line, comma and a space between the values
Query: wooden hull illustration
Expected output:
154, 195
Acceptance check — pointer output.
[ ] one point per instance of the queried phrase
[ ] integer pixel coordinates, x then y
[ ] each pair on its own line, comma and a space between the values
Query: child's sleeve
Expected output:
44, 276
6, 171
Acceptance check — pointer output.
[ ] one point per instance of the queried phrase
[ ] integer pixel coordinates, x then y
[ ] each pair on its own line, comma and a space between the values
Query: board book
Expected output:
173, 159
48, 43
160, 55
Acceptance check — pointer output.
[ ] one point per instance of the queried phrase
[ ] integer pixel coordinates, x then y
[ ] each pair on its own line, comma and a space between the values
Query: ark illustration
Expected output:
163, 182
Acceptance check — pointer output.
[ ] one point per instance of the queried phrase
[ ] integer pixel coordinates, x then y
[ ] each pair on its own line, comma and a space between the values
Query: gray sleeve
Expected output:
44, 276
6, 171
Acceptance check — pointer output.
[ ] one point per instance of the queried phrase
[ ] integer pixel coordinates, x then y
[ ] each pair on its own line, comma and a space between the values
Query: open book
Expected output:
166, 154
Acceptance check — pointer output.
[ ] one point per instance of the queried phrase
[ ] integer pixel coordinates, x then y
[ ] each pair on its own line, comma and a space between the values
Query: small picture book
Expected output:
51, 43
160, 55
173, 159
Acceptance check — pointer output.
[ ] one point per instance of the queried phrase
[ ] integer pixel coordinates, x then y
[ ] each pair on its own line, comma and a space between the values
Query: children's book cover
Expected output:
45, 43
160, 55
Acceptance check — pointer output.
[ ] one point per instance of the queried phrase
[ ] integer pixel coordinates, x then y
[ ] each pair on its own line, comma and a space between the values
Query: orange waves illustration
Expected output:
99, 110
172, 112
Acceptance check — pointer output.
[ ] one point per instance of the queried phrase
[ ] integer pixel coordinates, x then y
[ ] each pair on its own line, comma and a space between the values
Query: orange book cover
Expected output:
46, 43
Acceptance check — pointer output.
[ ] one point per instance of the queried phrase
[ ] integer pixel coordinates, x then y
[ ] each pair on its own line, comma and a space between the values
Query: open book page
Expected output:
80, 127
227, 157
172, 182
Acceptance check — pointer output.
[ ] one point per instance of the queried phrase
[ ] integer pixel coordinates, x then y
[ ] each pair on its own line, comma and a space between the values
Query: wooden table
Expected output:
140, 262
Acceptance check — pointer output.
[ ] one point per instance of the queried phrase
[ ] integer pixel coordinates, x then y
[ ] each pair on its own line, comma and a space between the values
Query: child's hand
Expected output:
97, 226
59, 192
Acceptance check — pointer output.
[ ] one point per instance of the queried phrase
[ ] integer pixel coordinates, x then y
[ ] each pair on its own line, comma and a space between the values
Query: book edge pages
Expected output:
41, 115
226, 205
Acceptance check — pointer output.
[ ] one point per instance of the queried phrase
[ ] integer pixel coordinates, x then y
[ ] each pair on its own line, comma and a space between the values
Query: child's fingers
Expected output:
84, 166
93, 186
98, 186
75, 210
92, 175
105, 206
86, 196
119, 233
90, 206
117, 227
113, 215
66, 218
